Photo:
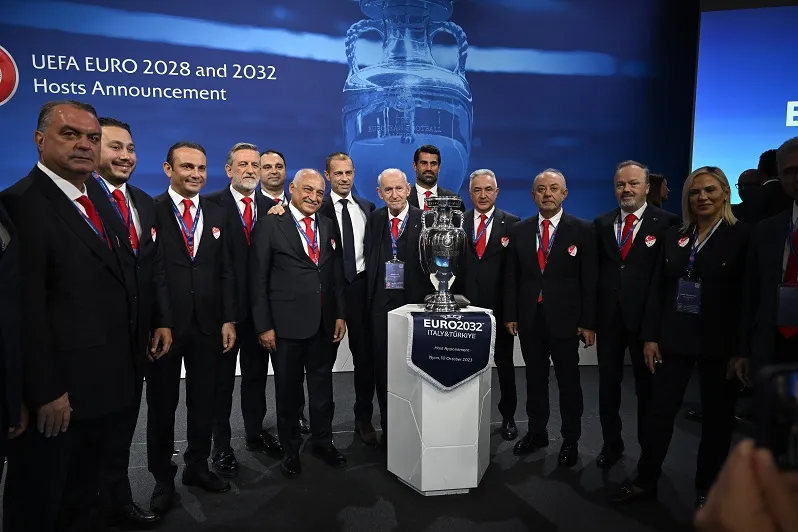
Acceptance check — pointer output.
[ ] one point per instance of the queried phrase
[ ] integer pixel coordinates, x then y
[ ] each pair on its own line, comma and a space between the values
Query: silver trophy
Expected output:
441, 247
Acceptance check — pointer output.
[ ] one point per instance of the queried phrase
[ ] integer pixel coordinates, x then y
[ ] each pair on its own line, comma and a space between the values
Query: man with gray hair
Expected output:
481, 279
243, 205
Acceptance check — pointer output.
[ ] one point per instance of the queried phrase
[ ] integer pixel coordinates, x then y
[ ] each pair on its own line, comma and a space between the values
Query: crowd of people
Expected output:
103, 286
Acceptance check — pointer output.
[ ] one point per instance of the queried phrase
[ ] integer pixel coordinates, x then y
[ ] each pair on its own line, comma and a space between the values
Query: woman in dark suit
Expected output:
692, 318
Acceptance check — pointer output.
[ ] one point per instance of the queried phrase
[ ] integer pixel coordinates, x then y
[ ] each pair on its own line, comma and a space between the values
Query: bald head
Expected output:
549, 174
307, 191
549, 191
393, 189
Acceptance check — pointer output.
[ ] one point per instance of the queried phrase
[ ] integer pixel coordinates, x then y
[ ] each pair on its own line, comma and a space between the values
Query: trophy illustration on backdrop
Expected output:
407, 99
441, 248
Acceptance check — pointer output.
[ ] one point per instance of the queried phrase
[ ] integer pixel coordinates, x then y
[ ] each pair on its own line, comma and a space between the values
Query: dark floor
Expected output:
516, 494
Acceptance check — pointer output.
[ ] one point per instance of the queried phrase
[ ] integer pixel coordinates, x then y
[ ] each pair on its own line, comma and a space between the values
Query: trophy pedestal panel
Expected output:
438, 441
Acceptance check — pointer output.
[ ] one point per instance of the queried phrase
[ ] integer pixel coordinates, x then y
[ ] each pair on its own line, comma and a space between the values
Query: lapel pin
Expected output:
216, 232
572, 251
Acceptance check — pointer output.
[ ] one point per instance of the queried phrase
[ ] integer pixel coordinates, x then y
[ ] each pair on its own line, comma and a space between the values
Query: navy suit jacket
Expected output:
10, 326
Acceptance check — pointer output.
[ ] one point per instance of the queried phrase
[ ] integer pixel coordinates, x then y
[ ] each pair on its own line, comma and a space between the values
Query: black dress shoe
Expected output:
205, 479
509, 430
365, 430
632, 493
163, 496
225, 464
265, 443
131, 515
303, 425
609, 455
290, 467
330, 455
531, 443
569, 455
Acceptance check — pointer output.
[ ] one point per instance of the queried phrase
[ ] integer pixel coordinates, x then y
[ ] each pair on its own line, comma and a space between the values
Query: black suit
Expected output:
254, 360
769, 200
203, 299
381, 301
78, 329
707, 339
300, 301
482, 282
761, 340
623, 285
357, 318
548, 329
10, 340
151, 309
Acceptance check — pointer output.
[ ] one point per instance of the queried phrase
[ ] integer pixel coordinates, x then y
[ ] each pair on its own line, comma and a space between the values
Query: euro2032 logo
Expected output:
9, 76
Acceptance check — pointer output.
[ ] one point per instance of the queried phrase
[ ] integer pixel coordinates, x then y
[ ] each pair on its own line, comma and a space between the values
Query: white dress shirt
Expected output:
237, 196
177, 199
281, 197
71, 191
787, 244
621, 220
300, 227
477, 220
555, 221
420, 192
402, 215
133, 212
358, 226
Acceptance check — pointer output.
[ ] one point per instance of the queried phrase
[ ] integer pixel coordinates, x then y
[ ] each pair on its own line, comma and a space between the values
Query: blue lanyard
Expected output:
312, 245
487, 224
112, 199
695, 248
551, 241
622, 243
394, 248
188, 235
91, 224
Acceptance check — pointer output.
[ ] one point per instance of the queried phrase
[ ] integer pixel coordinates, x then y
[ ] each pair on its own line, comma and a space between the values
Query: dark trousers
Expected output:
114, 481
378, 318
785, 349
201, 354
537, 347
717, 402
362, 355
315, 356
503, 358
611, 346
52, 483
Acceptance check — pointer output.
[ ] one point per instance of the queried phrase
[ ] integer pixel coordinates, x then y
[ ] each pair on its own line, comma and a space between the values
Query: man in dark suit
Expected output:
770, 198
481, 280
243, 205
772, 269
550, 303
202, 285
79, 374
13, 412
350, 214
392, 233
297, 294
748, 184
129, 213
629, 238
427, 165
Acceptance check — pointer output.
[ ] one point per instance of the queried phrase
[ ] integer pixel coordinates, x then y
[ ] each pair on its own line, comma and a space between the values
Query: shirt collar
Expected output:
297, 214
239, 196
422, 190
336, 198
795, 214
71, 191
638, 213
555, 220
122, 187
281, 197
178, 199
488, 214
402, 214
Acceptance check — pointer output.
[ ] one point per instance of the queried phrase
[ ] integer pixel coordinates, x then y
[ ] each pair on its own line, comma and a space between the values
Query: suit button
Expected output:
191, 291
318, 291
193, 267
623, 266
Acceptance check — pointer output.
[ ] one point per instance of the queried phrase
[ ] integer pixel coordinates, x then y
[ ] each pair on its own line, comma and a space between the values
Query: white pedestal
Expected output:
438, 442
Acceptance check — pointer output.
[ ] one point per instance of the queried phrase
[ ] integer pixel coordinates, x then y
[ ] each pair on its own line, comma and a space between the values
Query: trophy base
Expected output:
441, 302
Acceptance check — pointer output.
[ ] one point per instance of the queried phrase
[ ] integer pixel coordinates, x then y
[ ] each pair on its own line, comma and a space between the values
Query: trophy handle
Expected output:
353, 34
459, 35
459, 214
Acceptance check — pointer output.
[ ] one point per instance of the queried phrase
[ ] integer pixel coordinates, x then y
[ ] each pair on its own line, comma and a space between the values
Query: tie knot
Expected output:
631, 218
546, 223
247, 200
118, 195
344, 202
85, 202
307, 220
428, 193
187, 204
394, 223
483, 217
276, 199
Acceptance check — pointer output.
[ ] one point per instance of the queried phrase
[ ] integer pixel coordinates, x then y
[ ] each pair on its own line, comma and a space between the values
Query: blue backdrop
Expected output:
577, 85
745, 81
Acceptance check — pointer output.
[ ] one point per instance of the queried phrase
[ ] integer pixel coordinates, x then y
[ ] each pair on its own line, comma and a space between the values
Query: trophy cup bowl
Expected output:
442, 245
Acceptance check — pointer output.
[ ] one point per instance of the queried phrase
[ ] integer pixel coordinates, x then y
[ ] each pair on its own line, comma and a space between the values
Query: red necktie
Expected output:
277, 200
313, 250
427, 194
791, 277
247, 217
481, 232
94, 217
119, 197
543, 249
189, 222
395, 228
626, 234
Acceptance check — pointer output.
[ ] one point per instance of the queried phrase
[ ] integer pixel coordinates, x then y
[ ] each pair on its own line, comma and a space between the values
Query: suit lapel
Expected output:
229, 205
497, 230
108, 211
647, 227
562, 241
145, 212
209, 221
323, 237
172, 225
288, 227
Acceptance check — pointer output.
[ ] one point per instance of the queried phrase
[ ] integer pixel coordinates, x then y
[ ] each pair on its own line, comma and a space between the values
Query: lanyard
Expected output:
188, 235
487, 224
696, 247
254, 208
622, 242
312, 245
551, 241
394, 248
112, 199
91, 224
